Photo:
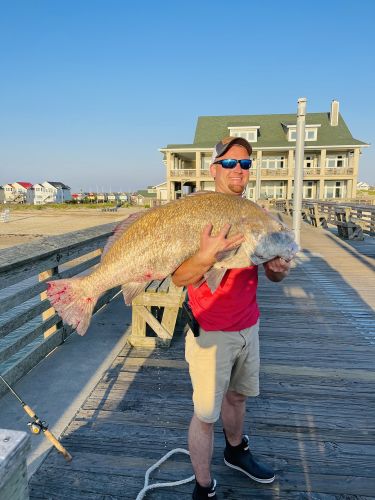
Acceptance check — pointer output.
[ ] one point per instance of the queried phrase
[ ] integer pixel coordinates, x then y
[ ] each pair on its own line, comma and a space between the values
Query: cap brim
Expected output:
236, 140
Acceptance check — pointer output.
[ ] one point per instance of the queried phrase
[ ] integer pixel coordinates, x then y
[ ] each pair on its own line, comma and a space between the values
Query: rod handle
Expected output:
68, 457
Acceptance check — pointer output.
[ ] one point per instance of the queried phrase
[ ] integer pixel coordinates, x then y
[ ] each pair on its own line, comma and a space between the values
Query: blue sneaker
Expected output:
240, 458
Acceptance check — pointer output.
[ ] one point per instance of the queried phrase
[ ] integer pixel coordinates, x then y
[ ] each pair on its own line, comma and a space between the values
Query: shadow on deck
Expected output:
314, 420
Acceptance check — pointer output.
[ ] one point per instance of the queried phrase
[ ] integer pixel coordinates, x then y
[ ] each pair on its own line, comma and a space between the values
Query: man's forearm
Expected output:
192, 270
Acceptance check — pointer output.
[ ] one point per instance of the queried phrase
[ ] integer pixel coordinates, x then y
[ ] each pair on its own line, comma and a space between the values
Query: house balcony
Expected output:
338, 171
178, 173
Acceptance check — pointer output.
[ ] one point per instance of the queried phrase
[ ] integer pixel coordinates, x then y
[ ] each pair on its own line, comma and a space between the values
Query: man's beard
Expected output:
236, 188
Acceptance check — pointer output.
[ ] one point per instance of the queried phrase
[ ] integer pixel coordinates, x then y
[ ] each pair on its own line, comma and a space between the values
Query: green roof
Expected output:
145, 193
272, 132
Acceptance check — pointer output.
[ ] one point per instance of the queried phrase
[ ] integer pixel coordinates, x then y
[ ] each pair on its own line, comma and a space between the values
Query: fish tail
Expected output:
74, 301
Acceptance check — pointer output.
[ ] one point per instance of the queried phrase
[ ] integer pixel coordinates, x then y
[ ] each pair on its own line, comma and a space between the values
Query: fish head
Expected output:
269, 245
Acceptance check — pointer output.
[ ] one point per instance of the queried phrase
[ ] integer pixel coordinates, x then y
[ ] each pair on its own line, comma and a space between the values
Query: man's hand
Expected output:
276, 269
191, 271
211, 246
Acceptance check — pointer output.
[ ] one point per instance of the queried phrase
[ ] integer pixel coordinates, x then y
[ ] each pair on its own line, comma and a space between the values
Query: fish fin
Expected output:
214, 277
120, 230
72, 302
132, 289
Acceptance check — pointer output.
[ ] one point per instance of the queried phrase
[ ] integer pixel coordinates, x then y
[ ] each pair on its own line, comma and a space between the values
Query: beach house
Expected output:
331, 158
48, 192
16, 192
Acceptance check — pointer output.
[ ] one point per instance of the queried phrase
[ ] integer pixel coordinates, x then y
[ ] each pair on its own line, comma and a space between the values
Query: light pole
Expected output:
298, 168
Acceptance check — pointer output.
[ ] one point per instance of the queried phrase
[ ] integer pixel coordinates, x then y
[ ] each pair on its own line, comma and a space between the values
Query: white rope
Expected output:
148, 487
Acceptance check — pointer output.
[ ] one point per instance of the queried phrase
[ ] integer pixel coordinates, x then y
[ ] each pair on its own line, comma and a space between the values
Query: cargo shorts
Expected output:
220, 362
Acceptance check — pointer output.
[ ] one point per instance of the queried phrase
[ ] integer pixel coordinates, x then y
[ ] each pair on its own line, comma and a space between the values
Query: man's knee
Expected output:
235, 398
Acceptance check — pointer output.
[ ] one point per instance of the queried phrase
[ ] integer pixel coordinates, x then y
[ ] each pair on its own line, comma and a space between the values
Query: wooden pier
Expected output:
314, 420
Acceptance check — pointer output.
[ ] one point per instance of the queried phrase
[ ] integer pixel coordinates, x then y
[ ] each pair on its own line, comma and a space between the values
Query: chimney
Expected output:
334, 115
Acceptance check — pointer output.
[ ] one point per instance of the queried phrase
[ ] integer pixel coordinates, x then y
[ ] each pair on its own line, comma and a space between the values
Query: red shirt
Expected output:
232, 307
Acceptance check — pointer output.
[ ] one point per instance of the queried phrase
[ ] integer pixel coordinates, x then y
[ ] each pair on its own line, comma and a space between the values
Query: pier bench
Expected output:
110, 209
317, 218
347, 227
158, 307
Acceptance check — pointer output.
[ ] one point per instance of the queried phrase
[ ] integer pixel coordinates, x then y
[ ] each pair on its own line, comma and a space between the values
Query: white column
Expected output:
258, 179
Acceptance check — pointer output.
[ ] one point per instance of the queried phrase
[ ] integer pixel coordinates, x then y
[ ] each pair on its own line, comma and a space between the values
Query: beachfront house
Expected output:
16, 192
331, 158
48, 192
161, 193
363, 186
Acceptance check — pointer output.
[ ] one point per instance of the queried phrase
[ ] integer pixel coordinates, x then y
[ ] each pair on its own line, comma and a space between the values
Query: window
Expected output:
248, 133
308, 190
311, 134
273, 189
205, 162
273, 162
336, 161
334, 189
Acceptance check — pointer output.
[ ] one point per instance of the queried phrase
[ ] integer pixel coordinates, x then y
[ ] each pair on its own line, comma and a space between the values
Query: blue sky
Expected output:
91, 89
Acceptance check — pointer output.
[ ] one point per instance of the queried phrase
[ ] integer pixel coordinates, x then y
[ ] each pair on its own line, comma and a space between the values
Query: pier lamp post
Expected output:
298, 168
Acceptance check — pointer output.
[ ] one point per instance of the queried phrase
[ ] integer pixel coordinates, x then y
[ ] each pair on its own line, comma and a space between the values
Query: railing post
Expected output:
13, 472
43, 296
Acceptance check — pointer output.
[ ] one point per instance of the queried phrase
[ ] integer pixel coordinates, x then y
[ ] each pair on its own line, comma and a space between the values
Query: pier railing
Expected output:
29, 327
358, 212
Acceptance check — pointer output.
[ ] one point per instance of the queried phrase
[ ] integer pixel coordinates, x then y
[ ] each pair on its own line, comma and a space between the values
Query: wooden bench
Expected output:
109, 209
348, 228
157, 307
317, 218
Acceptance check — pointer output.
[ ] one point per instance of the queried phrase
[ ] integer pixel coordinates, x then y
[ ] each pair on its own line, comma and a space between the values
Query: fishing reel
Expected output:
37, 426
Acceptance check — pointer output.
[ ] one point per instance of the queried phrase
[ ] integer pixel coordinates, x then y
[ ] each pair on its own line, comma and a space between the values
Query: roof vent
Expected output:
334, 115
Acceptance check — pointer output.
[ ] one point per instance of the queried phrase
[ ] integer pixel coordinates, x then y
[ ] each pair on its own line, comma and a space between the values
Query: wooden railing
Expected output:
361, 213
29, 327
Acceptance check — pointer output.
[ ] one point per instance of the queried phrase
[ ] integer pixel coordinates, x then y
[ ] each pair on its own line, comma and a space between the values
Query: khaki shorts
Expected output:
220, 362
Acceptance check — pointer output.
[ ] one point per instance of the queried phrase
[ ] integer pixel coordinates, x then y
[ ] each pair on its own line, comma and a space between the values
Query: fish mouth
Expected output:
279, 244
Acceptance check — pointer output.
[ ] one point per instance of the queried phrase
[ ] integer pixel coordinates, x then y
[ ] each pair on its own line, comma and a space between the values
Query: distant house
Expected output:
78, 196
16, 192
48, 192
112, 197
123, 197
161, 193
143, 198
363, 186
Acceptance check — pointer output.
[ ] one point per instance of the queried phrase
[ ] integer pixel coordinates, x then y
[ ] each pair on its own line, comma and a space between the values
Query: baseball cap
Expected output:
223, 146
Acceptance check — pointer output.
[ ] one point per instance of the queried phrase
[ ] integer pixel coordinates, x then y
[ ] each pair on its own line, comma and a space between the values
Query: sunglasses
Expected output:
231, 163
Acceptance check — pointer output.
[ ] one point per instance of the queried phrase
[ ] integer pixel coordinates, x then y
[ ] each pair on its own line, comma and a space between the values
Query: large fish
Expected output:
155, 243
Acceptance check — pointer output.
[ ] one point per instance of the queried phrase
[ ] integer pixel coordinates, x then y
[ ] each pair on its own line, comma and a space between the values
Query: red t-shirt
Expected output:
232, 307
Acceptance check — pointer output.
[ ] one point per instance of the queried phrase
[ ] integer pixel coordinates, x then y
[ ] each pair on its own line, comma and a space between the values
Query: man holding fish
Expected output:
224, 358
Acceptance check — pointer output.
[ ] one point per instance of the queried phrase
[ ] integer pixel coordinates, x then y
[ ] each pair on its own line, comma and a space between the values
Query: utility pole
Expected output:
298, 168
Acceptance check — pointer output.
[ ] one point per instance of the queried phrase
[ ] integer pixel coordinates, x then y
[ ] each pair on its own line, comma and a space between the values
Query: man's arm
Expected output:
276, 269
193, 269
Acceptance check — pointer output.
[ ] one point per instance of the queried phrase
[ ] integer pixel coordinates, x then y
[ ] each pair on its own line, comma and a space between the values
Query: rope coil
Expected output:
148, 487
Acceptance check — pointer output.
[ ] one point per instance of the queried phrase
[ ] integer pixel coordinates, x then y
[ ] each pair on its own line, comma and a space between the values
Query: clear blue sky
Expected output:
91, 89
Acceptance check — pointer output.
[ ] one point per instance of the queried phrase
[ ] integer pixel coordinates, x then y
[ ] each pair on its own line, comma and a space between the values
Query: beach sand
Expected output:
26, 226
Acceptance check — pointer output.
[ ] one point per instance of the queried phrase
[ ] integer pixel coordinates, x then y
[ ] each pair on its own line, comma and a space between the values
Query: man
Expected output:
224, 358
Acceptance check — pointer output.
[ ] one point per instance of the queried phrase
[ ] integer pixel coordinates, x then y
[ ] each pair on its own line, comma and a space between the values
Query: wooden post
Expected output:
14, 446
51, 311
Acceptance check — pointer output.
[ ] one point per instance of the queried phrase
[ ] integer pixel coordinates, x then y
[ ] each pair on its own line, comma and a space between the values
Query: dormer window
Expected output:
248, 133
311, 132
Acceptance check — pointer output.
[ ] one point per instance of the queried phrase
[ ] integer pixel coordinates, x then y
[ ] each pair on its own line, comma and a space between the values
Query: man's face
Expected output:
231, 180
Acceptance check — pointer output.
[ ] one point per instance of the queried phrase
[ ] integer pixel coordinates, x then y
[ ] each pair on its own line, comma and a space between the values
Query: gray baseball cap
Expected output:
223, 146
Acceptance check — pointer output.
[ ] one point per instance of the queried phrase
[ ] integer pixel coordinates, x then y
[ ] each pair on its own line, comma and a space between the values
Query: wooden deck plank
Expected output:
314, 420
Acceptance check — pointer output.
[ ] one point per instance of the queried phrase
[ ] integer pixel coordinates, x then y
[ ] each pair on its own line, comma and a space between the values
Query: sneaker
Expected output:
240, 458
201, 493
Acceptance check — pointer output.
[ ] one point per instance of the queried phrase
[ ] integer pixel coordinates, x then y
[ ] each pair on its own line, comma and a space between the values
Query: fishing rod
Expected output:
37, 426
